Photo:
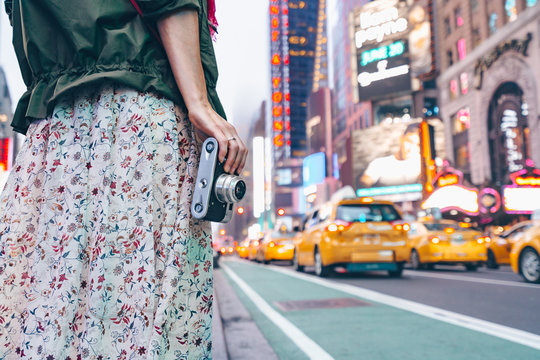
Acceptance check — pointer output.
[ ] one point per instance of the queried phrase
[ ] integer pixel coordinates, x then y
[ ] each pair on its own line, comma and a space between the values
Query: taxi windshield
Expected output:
440, 226
367, 212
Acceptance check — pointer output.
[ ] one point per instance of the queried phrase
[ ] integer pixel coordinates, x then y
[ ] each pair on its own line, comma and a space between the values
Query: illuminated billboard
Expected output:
393, 44
314, 169
388, 154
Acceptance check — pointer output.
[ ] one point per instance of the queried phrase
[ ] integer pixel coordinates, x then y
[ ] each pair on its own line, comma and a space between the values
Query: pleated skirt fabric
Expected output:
99, 255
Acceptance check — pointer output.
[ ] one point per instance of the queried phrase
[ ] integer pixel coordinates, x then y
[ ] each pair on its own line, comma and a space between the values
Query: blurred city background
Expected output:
400, 136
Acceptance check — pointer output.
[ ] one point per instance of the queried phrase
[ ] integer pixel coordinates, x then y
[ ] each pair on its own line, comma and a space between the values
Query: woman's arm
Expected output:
180, 36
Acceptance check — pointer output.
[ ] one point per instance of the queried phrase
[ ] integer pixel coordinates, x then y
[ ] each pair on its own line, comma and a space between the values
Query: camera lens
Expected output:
240, 190
230, 188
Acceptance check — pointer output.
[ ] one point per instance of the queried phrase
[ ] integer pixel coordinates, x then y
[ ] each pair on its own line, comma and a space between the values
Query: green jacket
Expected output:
62, 45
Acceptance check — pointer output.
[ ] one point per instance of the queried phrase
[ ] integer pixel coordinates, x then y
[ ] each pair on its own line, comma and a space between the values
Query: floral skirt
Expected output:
99, 255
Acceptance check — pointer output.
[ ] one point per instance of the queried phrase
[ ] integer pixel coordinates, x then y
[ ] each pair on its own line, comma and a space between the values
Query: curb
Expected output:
243, 339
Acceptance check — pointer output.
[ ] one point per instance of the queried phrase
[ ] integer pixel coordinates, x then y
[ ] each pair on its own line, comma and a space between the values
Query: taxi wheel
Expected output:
491, 262
320, 269
296, 265
396, 273
471, 267
529, 265
415, 260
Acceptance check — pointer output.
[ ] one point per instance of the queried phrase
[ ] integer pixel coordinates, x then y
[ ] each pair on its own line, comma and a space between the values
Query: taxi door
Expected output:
306, 247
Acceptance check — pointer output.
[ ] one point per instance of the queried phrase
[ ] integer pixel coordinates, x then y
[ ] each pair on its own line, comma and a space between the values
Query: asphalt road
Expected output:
499, 296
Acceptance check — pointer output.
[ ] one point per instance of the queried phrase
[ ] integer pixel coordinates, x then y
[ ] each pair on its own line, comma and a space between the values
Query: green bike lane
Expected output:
372, 331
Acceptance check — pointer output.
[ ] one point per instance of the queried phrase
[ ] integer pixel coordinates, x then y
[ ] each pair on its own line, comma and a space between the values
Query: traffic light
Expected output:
240, 210
281, 212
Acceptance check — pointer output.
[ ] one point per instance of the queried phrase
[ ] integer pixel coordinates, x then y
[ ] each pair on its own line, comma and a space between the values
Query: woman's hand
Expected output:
207, 121
180, 36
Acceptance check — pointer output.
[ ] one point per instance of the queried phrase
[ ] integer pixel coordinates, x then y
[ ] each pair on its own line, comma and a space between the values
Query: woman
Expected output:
99, 255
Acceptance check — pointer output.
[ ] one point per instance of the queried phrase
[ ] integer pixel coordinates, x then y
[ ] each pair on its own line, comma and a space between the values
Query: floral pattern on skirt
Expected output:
99, 255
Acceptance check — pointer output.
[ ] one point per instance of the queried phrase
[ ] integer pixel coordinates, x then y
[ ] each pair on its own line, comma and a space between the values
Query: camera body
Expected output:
215, 192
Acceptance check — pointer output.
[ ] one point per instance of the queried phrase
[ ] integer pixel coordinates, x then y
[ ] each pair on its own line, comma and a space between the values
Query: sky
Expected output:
241, 52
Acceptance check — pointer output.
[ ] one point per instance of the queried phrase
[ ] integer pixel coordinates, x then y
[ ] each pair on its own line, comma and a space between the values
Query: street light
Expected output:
281, 212
240, 210
222, 232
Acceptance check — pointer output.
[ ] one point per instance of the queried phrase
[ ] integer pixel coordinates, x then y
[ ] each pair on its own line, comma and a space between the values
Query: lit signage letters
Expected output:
528, 181
366, 78
384, 52
509, 126
450, 179
376, 26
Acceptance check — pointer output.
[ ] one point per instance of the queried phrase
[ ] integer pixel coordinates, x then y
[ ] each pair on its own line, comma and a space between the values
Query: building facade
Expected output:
488, 86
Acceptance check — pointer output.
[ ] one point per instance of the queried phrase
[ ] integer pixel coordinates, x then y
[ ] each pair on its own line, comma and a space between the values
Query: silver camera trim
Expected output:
205, 176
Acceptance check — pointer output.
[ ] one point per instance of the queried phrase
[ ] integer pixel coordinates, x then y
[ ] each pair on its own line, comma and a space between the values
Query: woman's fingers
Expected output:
230, 144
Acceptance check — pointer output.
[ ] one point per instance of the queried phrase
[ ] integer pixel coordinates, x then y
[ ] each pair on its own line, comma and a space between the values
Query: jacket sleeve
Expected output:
155, 9
8, 4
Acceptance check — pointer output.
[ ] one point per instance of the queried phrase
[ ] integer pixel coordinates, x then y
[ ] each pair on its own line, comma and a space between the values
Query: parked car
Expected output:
252, 248
524, 257
276, 245
357, 234
243, 249
434, 242
498, 249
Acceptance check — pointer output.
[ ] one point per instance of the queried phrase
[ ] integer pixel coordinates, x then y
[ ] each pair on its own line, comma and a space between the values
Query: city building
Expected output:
488, 93
388, 51
348, 112
299, 67
297, 47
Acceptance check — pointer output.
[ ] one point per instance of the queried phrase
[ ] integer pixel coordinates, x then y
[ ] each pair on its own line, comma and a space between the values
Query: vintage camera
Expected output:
215, 192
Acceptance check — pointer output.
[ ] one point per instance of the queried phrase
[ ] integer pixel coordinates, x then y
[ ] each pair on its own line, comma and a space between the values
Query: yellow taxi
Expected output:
446, 242
498, 249
355, 234
276, 245
252, 248
524, 257
243, 249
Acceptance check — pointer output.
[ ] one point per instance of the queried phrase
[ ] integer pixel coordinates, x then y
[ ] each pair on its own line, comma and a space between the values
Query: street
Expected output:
446, 313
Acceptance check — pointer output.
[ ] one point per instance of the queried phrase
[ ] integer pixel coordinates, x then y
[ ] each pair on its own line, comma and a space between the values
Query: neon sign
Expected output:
527, 181
367, 78
375, 26
523, 196
453, 197
450, 179
384, 52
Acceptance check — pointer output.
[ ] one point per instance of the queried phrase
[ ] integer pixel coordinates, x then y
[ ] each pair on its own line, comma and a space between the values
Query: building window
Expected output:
492, 23
461, 121
453, 89
461, 49
510, 9
464, 83
462, 157
447, 26
531, 3
476, 37
458, 17
474, 5
450, 58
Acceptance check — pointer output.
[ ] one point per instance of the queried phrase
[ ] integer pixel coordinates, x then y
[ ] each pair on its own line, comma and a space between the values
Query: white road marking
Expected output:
308, 346
471, 279
486, 327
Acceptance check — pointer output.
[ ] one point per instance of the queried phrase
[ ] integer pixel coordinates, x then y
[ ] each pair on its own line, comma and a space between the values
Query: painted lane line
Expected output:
308, 346
471, 279
483, 326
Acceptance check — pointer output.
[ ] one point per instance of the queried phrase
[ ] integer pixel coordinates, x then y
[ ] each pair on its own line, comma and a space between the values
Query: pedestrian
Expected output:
100, 257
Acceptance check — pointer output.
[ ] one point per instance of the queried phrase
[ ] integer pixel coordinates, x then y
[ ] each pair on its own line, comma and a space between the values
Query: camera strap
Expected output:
152, 29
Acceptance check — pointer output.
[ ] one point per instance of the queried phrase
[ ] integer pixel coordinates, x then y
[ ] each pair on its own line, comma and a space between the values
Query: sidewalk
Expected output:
235, 334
